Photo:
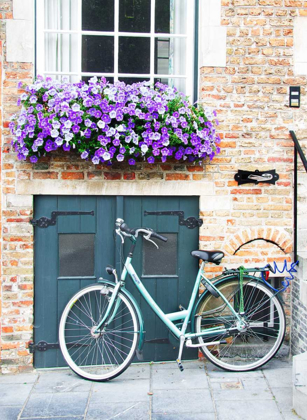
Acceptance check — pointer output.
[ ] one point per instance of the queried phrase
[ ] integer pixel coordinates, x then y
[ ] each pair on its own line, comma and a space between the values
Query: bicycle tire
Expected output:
249, 349
98, 356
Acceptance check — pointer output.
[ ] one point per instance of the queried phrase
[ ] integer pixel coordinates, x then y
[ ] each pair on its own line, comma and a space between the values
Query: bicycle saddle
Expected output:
209, 256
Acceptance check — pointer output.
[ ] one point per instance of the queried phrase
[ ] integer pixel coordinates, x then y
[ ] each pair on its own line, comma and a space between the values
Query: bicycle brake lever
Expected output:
150, 240
118, 232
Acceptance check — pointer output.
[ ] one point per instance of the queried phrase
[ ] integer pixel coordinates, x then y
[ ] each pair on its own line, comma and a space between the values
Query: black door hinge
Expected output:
190, 222
44, 346
44, 222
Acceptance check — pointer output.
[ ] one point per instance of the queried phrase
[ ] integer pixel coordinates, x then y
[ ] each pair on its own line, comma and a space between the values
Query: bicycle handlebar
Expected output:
135, 232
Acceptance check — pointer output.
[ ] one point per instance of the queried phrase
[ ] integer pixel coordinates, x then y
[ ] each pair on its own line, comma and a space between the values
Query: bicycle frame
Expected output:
169, 318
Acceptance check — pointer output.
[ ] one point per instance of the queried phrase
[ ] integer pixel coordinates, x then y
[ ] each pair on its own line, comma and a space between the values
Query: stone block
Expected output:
19, 200
213, 203
19, 41
23, 9
300, 384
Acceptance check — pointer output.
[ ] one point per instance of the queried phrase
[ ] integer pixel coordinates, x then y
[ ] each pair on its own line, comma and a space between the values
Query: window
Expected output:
128, 40
162, 261
76, 254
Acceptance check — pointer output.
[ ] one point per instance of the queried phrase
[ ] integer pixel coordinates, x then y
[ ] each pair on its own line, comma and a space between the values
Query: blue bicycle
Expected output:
238, 322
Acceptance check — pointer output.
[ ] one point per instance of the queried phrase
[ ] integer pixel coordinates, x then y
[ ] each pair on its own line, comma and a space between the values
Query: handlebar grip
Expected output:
156, 235
125, 228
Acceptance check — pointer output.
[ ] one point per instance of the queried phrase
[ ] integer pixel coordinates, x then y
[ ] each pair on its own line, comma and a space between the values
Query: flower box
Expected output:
107, 123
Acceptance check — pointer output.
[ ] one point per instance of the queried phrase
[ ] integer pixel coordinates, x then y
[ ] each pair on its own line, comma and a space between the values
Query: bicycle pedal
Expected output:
181, 368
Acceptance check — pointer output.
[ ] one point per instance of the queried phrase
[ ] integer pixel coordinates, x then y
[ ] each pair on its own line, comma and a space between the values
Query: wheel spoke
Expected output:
98, 355
256, 339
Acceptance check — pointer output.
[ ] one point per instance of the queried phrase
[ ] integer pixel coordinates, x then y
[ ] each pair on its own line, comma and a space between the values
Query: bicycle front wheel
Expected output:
264, 330
103, 355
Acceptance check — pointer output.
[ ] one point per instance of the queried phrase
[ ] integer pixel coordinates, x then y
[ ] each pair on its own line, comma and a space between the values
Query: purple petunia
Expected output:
105, 122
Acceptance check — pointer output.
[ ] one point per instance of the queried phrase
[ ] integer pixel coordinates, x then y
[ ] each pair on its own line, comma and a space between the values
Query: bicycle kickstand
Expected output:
182, 340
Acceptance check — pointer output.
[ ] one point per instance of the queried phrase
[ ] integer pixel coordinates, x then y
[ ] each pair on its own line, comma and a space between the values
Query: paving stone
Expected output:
182, 401
12, 395
54, 418
174, 379
277, 364
123, 411
116, 391
188, 364
291, 415
252, 389
56, 405
279, 378
283, 397
135, 372
181, 416
9, 413
61, 381
247, 410
21, 378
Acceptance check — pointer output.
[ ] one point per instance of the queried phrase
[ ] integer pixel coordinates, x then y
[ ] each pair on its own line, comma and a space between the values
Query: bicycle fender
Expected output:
207, 292
139, 314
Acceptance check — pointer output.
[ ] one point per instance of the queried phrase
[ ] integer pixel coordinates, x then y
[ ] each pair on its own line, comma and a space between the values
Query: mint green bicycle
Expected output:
238, 322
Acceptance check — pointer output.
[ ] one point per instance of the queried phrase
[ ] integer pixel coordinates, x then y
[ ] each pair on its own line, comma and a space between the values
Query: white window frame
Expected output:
189, 36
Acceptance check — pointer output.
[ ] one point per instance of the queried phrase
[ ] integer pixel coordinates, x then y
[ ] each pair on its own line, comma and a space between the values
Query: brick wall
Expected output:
252, 224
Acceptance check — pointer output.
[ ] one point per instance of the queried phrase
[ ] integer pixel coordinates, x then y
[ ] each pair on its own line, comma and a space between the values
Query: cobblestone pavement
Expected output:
157, 391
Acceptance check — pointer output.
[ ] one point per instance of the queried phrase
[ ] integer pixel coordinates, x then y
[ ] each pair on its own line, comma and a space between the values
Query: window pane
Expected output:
134, 55
171, 16
180, 84
87, 78
71, 78
162, 261
61, 14
131, 80
98, 15
170, 56
76, 254
60, 52
134, 15
97, 54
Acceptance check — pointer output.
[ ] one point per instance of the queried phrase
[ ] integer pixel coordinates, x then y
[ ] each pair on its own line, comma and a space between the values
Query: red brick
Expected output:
7, 329
112, 175
246, 191
195, 168
129, 176
72, 175
177, 177
45, 175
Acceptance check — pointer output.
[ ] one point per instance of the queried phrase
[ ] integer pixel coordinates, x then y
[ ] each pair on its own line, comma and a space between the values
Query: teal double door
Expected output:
74, 252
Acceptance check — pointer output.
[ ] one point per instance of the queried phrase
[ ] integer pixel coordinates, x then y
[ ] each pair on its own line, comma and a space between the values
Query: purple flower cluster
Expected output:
106, 122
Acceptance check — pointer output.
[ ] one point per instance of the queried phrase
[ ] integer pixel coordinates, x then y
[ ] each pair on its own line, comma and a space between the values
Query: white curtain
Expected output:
177, 46
61, 49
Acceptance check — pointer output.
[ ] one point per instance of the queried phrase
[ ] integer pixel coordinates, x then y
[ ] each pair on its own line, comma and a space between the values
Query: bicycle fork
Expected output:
112, 306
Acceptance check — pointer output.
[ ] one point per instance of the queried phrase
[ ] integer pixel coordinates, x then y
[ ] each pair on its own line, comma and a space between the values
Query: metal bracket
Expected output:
254, 177
44, 346
45, 222
190, 222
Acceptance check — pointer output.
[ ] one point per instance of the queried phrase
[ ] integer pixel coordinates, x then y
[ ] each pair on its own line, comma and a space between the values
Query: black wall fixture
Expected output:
254, 177
190, 222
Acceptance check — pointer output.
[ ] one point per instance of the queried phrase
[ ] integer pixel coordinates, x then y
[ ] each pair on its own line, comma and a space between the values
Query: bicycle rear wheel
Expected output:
98, 356
258, 342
